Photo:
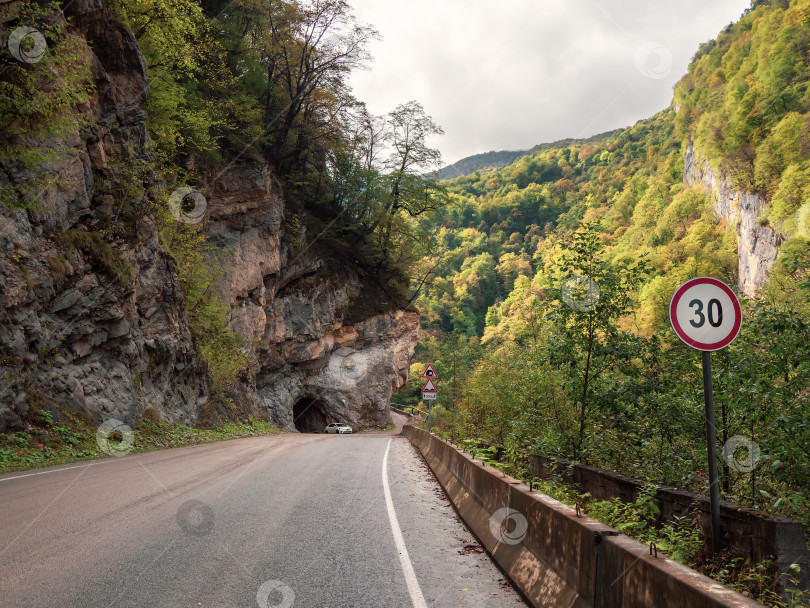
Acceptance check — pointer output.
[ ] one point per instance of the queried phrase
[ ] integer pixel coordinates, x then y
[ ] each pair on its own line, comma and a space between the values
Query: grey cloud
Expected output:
512, 74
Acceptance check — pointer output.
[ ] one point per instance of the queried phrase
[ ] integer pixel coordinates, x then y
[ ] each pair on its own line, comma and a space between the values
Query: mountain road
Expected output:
276, 521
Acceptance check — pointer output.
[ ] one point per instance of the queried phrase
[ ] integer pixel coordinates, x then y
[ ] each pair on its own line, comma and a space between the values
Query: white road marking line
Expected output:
109, 461
41, 513
80, 466
417, 598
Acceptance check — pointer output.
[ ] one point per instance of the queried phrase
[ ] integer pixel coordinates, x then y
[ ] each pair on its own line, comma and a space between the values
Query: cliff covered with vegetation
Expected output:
531, 357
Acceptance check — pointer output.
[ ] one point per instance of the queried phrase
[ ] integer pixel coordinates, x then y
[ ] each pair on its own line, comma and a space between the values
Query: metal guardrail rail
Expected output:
404, 408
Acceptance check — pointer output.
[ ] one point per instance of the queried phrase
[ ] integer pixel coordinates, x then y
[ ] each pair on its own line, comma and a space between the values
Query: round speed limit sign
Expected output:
705, 314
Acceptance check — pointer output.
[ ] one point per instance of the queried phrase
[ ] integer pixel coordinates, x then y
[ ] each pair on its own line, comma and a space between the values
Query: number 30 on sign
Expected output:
705, 314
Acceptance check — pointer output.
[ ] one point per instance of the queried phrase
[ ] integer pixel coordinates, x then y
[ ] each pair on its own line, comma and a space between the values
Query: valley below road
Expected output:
284, 520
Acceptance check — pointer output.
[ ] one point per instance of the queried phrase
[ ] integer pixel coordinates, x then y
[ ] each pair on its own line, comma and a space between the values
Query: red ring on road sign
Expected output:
673, 318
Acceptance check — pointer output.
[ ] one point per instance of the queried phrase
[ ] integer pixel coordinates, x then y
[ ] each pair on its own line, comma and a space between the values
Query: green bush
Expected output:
108, 256
35, 111
200, 276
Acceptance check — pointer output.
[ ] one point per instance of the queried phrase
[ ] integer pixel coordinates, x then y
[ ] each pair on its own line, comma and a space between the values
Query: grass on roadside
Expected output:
45, 442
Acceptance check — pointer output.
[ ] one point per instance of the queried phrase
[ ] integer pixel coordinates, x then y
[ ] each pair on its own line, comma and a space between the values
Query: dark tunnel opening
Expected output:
310, 415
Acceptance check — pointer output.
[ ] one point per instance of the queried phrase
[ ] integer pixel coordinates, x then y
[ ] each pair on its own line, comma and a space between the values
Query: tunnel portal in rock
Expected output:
311, 415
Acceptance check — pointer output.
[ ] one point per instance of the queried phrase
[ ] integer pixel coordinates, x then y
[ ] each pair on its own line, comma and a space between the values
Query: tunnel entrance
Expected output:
309, 415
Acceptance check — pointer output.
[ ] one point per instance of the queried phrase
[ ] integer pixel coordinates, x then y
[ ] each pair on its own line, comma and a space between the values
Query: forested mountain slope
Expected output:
739, 114
717, 184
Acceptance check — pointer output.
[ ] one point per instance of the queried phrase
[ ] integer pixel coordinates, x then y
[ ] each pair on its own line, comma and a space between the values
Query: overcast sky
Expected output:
509, 74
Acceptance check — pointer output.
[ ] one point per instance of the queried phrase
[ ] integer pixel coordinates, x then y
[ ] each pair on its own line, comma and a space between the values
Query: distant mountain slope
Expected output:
497, 159
717, 184
476, 162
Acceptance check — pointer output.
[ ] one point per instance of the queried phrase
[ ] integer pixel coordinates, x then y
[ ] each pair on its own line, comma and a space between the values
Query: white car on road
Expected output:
339, 428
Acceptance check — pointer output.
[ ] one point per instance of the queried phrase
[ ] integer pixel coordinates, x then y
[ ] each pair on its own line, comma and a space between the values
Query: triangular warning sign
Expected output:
430, 372
429, 387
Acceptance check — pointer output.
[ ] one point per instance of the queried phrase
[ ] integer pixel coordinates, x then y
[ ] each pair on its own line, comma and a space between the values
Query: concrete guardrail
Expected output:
749, 531
555, 557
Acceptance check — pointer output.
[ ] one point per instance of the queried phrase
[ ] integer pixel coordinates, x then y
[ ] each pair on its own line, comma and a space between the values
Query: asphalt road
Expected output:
281, 521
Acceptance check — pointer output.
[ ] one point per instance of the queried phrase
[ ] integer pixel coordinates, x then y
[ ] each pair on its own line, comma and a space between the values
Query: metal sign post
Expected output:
706, 314
429, 391
711, 444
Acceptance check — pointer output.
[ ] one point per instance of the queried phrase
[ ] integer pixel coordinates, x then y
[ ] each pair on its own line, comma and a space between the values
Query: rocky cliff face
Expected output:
757, 246
308, 366
99, 325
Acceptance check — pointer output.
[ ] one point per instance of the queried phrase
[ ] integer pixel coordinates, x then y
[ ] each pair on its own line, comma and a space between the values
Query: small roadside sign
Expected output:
430, 372
429, 390
705, 314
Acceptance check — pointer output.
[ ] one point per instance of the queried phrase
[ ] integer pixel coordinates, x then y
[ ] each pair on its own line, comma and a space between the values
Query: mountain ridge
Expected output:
496, 159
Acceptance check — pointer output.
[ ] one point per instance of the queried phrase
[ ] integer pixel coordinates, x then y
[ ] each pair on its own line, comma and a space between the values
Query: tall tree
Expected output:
308, 50
595, 294
411, 180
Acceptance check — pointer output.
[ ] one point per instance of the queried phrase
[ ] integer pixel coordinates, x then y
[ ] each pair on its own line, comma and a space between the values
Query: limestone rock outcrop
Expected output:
757, 245
72, 333
290, 308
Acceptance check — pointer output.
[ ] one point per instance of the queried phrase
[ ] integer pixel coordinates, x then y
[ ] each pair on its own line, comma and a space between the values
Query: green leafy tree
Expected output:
514, 399
410, 177
595, 294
